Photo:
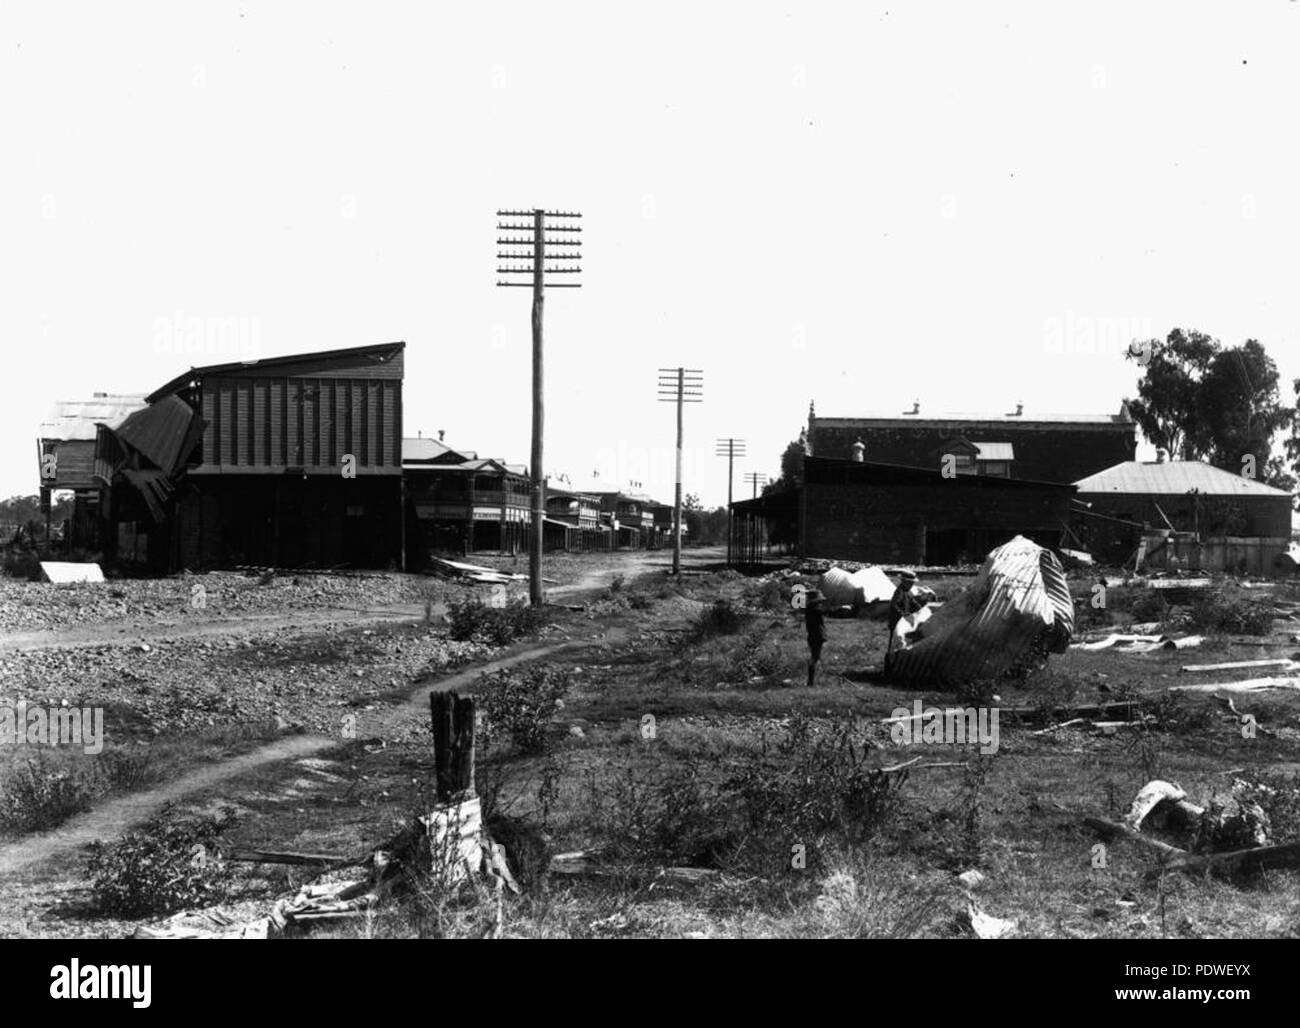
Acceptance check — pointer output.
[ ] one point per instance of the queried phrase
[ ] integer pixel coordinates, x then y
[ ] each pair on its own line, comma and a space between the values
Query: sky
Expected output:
861, 205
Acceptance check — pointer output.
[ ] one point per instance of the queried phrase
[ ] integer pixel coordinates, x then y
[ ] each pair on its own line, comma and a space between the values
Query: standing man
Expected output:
904, 603
815, 622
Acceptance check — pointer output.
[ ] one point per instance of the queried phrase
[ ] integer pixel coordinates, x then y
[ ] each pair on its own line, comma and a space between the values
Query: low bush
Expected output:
41, 794
721, 618
655, 813
472, 620
518, 704
1278, 795
815, 784
170, 863
1215, 613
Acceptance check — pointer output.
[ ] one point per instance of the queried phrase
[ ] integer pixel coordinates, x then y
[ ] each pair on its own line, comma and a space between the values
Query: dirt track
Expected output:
117, 815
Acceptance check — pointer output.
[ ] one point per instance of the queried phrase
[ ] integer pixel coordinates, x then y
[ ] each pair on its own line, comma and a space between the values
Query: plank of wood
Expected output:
1246, 685
1232, 665
1110, 830
1258, 858
253, 856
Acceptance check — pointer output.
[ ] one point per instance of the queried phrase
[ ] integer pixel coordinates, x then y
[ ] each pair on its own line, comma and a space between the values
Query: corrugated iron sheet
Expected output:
1019, 600
1173, 478
76, 419
153, 487
161, 432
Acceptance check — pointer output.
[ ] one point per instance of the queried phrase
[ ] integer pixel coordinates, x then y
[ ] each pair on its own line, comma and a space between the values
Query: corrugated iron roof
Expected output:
160, 432
1173, 478
380, 352
1019, 597
76, 419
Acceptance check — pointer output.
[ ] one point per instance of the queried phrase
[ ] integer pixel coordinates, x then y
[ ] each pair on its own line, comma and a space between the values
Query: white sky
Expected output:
861, 204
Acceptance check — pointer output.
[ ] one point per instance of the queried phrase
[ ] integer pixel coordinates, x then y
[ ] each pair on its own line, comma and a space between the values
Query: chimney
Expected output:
1160, 456
419, 433
441, 433
859, 449
916, 408
1020, 409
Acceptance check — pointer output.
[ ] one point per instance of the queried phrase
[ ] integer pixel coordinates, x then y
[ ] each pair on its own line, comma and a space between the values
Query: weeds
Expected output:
519, 704
815, 784
1216, 613
722, 618
39, 795
474, 621
170, 863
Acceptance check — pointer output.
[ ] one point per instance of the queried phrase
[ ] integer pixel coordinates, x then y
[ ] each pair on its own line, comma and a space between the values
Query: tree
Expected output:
703, 527
1200, 400
791, 469
1168, 408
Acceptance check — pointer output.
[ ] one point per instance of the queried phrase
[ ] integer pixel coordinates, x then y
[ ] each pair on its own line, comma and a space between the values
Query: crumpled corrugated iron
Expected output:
1019, 605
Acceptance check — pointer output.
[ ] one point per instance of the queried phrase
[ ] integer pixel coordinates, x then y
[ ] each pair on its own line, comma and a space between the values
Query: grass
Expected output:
672, 719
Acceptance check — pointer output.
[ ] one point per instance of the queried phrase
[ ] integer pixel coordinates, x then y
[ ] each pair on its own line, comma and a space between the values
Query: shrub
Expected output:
168, 864
1150, 606
1216, 613
814, 784
38, 795
1278, 795
474, 621
662, 813
722, 618
519, 704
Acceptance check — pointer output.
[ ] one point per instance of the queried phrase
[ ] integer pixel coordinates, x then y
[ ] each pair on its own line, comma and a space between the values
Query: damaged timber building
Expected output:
289, 461
933, 490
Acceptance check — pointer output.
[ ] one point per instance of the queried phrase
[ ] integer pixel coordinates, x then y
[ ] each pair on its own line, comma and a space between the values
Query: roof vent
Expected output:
1020, 409
916, 408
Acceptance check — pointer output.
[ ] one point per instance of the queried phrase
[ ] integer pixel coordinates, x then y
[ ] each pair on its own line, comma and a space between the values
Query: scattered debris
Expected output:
971, 879
59, 572
1134, 643
1018, 609
986, 927
1215, 833
1232, 665
859, 589
1247, 685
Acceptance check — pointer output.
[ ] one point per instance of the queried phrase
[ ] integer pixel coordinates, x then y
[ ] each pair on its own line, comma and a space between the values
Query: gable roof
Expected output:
76, 419
1174, 478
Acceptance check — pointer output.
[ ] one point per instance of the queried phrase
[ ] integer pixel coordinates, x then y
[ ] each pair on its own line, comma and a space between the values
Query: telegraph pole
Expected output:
679, 386
731, 449
541, 242
755, 478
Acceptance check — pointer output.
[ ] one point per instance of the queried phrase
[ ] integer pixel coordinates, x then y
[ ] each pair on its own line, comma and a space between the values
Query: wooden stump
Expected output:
453, 745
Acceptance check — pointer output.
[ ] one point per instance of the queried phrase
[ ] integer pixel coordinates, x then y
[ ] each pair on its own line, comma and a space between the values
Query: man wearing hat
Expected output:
905, 602
815, 622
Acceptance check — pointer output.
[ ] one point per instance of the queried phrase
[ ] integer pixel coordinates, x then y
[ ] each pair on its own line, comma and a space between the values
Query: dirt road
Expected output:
117, 815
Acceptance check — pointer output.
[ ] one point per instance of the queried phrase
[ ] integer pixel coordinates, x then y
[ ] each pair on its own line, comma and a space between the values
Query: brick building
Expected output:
888, 513
1036, 447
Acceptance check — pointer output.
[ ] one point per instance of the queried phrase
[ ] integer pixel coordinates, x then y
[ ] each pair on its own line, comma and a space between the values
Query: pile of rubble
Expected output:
1231, 833
37, 606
